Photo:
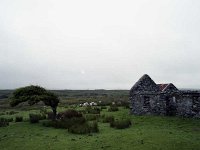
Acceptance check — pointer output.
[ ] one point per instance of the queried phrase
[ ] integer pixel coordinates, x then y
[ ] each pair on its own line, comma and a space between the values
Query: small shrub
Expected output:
125, 104
108, 119
74, 122
113, 108
34, 118
103, 116
92, 110
47, 123
103, 107
71, 113
121, 124
43, 110
9, 119
104, 103
84, 128
90, 117
50, 115
94, 127
79, 129
4, 122
56, 124
12, 112
2, 113
18, 119
82, 111
65, 124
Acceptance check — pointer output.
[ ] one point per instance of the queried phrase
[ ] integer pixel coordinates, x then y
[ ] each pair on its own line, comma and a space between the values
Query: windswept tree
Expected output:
33, 94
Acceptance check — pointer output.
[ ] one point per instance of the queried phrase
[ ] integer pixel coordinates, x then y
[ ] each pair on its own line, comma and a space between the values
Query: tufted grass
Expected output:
146, 133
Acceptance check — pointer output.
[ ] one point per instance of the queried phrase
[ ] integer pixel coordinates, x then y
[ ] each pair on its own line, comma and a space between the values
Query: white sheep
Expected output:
93, 104
86, 104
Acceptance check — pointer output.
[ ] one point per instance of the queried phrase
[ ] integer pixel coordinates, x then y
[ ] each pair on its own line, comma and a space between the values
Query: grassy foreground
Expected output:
146, 133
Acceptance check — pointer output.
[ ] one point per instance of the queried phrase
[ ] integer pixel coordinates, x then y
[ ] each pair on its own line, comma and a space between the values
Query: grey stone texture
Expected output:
147, 97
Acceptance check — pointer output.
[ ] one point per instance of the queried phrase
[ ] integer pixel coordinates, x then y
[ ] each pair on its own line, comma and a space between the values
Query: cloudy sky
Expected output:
95, 44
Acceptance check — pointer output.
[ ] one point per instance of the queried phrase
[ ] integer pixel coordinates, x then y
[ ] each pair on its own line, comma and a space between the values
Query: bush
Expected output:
84, 128
71, 113
90, 117
94, 127
92, 110
2, 113
79, 129
108, 119
56, 124
50, 115
65, 124
43, 110
113, 108
18, 119
103, 107
74, 122
9, 119
125, 104
82, 111
12, 112
121, 124
34, 118
4, 122
47, 123
104, 103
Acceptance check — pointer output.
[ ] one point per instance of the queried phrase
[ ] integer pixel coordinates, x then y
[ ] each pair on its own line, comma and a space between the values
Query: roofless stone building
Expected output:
147, 97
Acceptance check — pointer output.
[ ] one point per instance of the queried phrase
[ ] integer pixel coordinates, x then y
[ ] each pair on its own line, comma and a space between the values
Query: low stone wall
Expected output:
184, 104
188, 105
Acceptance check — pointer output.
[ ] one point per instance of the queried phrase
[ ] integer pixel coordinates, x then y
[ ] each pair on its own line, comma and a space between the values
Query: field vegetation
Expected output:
106, 126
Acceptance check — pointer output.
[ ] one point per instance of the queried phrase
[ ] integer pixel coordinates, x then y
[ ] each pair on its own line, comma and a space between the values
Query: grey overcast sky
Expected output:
95, 44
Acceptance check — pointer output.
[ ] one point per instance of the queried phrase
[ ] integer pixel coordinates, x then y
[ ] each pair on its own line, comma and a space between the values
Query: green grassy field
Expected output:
146, 133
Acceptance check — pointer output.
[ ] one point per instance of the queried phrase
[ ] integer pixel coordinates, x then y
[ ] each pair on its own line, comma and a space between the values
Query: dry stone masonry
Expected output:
147, 97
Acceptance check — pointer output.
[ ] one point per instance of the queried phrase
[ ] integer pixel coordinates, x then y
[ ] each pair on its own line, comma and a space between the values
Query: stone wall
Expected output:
188, 104
147, 104
145, 98
184, 105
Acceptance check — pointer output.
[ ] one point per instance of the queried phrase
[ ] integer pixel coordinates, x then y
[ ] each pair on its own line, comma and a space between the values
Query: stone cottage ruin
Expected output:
147, 97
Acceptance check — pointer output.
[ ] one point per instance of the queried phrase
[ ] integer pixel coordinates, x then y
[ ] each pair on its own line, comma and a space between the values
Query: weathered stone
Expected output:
147, 97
